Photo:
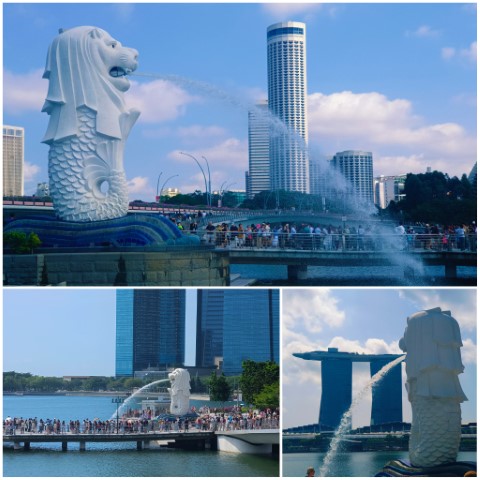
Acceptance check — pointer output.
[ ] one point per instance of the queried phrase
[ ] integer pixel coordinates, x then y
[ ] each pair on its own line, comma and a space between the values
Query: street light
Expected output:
209, 197
158, 181
165, 182
117, 401
203, 173
223, 190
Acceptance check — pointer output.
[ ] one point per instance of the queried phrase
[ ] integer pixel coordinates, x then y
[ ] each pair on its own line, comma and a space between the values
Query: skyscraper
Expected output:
357, 168
258, 150
237, 325
150, 329
13, 138
287, 100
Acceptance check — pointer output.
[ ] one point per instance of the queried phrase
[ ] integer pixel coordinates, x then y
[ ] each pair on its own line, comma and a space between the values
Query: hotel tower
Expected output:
287, 100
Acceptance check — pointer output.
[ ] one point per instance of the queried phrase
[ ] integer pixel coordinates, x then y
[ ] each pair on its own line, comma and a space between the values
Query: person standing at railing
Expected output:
460, 237
241, 236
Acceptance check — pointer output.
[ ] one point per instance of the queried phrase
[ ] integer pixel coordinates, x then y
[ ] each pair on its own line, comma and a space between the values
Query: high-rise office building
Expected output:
13, 158
150, 329
236, 325
258, 150
357, 168
287, 100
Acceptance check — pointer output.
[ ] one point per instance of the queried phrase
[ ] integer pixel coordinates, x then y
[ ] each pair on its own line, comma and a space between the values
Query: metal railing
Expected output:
338, 242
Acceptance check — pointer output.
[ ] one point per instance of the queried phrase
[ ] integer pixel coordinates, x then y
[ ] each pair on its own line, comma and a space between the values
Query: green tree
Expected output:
20, 242
269, 397
131, 383
255, 376
220, 390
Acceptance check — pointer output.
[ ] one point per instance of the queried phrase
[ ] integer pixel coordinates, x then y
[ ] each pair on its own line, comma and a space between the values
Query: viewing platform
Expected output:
297, 261
236, 441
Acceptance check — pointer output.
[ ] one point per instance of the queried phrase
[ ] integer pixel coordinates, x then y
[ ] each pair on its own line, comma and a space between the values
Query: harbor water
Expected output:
114, 459
276, 275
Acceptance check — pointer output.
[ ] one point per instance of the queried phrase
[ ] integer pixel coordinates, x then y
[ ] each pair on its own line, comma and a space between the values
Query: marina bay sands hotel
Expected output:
337, 386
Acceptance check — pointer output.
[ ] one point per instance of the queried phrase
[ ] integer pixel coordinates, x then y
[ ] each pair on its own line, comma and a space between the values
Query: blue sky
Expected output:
68, 331
395, 79
364, 321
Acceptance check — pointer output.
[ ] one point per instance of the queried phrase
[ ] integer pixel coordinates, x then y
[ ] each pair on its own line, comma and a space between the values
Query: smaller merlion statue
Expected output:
432, 343
179, 391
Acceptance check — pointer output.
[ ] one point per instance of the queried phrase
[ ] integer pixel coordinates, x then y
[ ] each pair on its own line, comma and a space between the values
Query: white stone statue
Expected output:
179, 391
89, 123
433, 362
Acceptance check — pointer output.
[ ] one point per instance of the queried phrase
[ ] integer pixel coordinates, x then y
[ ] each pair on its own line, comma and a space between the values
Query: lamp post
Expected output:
209, 197
158, 181
165, 182
223, 190
203, 173
117, 401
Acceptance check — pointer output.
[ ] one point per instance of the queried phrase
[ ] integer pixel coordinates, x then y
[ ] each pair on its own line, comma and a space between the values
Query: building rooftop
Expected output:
333, 353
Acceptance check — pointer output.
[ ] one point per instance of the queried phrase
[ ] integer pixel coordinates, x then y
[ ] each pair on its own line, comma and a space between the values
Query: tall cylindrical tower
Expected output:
287, 100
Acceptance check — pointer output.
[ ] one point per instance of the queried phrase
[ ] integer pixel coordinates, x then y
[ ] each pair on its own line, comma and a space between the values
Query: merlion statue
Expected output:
433, 362
179, 391
89, 123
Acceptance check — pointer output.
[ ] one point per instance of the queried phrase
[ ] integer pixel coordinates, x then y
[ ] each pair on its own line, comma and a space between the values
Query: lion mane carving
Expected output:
89, 123
433, 362
179, 391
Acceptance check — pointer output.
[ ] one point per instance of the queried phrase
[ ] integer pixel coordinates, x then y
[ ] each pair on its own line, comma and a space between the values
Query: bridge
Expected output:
297, 261
237, 441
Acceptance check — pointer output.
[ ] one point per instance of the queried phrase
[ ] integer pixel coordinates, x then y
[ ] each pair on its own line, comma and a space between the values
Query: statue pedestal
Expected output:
402, 468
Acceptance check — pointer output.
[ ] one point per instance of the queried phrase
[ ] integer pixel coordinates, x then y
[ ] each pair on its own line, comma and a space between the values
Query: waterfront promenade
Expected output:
187, 440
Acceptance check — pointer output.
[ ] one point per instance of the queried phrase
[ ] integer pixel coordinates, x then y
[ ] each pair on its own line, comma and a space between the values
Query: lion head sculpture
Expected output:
179, 391
86, 67
432, 342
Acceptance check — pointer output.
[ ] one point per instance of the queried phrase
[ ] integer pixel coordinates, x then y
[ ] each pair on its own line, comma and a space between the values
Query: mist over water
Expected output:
130, 401
341, 189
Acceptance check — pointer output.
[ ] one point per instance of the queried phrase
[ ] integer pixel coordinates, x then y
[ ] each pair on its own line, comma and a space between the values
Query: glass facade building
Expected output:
357, 168
150, 329
258, 150
237, 325
13, 158
337, 385
387, 397
287, 100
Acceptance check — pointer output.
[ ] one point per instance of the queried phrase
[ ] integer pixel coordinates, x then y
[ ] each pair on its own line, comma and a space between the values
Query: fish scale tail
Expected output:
436, 431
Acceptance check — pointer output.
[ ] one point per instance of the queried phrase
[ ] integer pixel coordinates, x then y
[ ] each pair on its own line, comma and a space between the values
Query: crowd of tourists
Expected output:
205, 420
372, 237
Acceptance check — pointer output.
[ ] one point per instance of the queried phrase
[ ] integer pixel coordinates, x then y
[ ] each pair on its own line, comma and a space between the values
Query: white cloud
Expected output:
123, 11
24, 92
423, 31
139, 186
159, 100
468, 54
373, 122
311, 310
285, 10
30, 171
469, 351
196, 132
448, 53
461, 302
230, 153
